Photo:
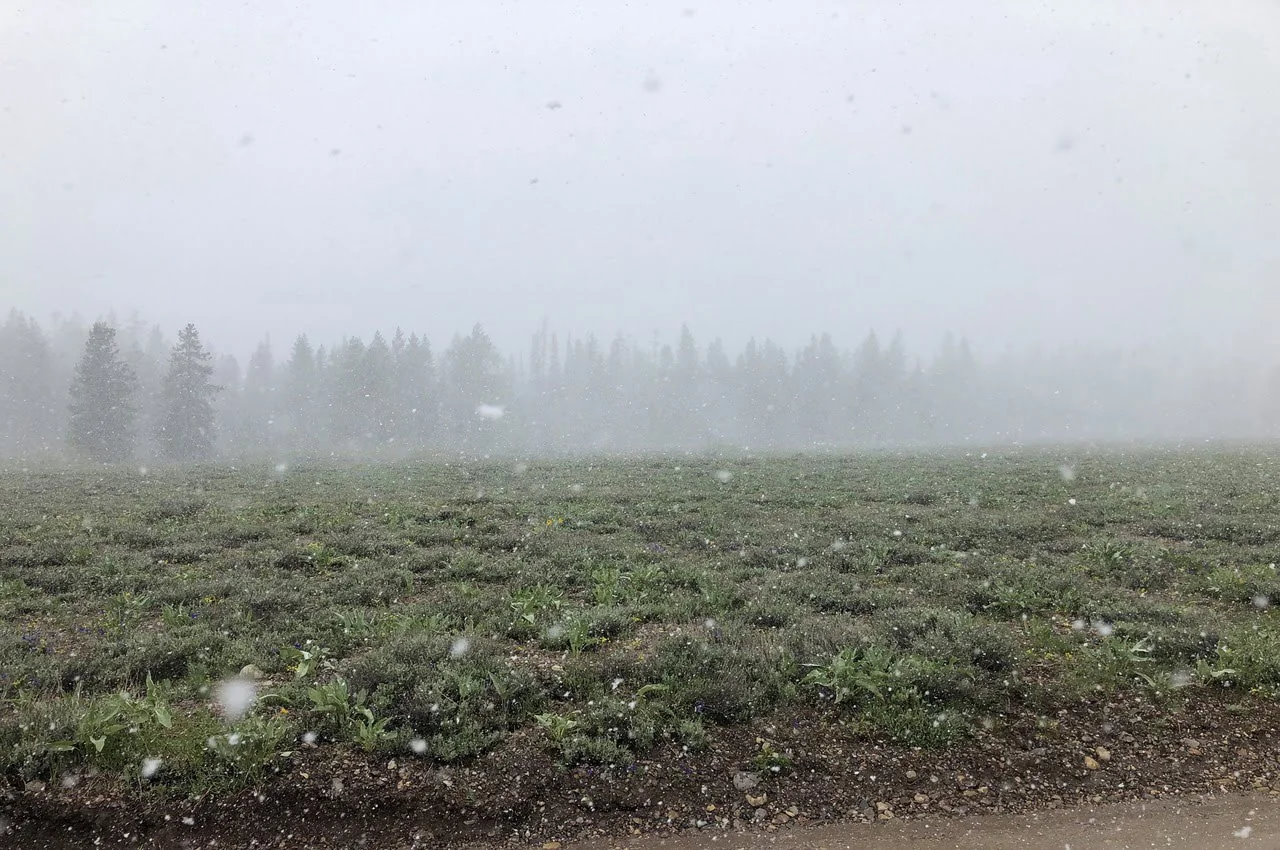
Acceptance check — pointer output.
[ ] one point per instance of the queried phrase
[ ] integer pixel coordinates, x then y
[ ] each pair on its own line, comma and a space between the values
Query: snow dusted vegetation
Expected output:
977, 630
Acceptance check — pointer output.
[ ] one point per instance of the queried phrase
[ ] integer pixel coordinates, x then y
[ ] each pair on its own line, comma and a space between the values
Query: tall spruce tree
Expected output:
473, 388
415, 393
186, 429
256, 421
301, 397
102, 400
28, 414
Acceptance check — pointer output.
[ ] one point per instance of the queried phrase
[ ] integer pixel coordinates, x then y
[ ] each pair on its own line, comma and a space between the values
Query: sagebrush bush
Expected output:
726, 677
460, 703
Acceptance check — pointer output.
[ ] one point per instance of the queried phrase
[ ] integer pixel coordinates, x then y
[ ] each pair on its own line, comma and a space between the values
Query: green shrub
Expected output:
1252, 654
459, 703
727, 677
1255, 584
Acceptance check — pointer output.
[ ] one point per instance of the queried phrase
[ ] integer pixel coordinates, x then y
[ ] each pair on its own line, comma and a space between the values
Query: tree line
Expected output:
114, 394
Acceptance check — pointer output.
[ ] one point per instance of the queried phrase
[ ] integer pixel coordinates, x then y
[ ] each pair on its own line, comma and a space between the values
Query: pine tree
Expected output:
348, 405
817, 382
28, 415
415, 393
102, 400
473, 388
379, 392
149, 365
186, 417
257, 402
301, 397
723, 405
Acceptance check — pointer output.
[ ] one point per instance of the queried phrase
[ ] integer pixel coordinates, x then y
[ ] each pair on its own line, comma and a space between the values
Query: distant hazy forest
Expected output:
127, 392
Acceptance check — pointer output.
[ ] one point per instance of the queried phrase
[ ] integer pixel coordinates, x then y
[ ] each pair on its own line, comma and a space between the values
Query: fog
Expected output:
1080, 199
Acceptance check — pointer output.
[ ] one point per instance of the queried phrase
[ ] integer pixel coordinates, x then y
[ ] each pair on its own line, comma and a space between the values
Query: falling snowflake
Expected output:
491, 411
461, 646
1068, 473
724, 476
235, 697
418, 746
150, 766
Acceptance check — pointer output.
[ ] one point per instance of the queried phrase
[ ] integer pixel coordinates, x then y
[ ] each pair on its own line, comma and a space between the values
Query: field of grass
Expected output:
187, 631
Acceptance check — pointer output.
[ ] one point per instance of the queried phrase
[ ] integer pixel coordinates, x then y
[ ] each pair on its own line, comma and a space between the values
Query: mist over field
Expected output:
395, 396
537, 228
700, 423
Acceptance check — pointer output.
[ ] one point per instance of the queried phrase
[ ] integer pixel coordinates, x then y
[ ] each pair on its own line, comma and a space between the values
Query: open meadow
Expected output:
442, 653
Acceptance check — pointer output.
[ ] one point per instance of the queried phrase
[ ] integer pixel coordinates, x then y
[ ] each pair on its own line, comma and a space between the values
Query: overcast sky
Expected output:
1016, 172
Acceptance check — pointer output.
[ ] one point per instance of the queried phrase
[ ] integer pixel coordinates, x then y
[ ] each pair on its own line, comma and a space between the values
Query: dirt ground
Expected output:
1201, 823
1111, 774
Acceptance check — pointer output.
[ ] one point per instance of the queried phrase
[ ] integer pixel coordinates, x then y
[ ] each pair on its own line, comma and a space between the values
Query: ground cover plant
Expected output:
196, 633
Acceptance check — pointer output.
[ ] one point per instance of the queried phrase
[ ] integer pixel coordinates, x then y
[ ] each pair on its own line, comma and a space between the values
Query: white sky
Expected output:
1017, 171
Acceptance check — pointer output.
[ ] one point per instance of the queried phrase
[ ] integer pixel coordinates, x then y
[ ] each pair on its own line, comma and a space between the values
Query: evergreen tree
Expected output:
686, 403
348, 396
626, 427
724, 409
415, 393
102, 400
186, 430
378, 409
27, 413
473, 388
257, 402
764, 374
817, 384
302, 397
953, 390
228, 413
147, 356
